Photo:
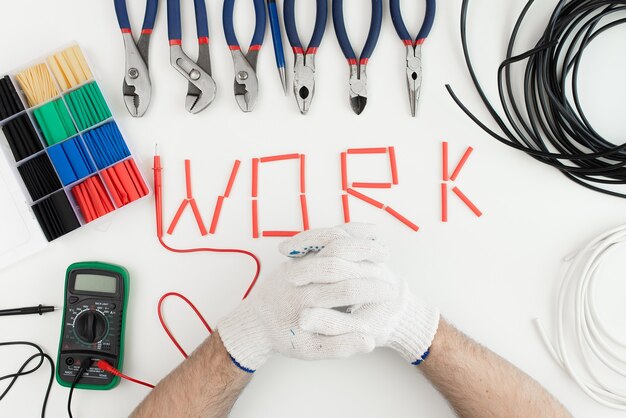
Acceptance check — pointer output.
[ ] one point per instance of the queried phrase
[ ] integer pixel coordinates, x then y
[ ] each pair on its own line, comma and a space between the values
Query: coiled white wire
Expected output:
595, 344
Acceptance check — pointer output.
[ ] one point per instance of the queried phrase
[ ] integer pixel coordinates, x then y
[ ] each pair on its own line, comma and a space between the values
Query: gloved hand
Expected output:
342, 271
295, 311
404, 323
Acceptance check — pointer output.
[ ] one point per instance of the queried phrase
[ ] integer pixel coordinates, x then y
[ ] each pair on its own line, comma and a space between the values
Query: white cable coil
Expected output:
595, 344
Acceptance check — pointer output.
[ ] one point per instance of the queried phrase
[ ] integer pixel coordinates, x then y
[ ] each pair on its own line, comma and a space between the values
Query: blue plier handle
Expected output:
246, 84
372, 36
137, 87
413, 48
304, 61
318, 32
229, 27
398, 22
148, 19
358, 68
174, 28
201, 88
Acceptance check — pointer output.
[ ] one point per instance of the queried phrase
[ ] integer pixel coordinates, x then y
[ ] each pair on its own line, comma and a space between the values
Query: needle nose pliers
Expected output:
137, 87
304, 67
358, 69
246, 81
413, 48
201, 87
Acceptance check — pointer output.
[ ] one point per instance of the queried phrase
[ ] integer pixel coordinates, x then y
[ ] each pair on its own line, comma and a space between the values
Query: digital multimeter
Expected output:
96, 295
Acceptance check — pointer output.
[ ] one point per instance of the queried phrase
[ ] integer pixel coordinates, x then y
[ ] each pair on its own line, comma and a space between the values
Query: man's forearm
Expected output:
479, 383
205, 385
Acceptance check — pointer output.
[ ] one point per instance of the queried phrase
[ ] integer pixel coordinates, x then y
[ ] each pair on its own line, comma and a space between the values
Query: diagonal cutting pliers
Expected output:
413, 47
304, 60
358, 68
137, 88
246, 81
201, 88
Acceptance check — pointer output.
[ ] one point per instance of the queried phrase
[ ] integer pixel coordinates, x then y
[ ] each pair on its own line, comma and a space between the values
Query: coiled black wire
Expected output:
542, 121
22, 372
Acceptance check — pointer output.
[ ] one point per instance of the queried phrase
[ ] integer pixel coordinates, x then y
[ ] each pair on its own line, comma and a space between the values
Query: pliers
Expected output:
413, 48
201, 87
304, 67
358, 69
137, 88
246, 81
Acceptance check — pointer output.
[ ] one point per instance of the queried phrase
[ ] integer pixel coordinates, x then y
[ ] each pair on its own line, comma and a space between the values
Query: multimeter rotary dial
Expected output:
90, 326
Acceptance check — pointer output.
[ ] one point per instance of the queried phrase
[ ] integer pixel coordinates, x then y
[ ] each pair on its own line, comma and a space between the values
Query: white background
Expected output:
490, 276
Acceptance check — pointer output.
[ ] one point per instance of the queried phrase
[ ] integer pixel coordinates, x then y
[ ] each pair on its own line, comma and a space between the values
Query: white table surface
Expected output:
490, 276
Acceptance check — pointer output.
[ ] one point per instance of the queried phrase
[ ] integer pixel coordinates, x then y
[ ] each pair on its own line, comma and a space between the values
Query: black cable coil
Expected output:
541, 120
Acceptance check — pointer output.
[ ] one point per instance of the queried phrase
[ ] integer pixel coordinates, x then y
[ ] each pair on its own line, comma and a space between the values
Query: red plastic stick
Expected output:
127, 184
111, 187
141, 185
445, 176
367, 151
394, 165
196, 214
231, 179
305, 212
371, 185
366, 199
344, 171
346, 208
468, 202
118, 186
444, 202
280, 233
255, 219
216, 214
104, 197
78, 195
188, 179
461, 163
179, 213
402, 219
94, 197
302, 174
280, 158
255, 177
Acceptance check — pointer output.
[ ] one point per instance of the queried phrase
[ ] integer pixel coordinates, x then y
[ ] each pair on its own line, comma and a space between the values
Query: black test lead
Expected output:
30, 310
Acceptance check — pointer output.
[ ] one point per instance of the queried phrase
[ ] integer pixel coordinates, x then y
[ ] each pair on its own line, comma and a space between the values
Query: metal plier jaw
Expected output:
304, 81
246, 82
414, 75
137, 87
202, 87
358, 87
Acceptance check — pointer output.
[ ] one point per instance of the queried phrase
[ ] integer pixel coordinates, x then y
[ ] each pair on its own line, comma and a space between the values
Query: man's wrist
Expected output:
215, 353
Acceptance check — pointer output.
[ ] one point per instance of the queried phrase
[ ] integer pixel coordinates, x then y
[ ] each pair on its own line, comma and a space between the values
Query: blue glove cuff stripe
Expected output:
236, 363
416, 362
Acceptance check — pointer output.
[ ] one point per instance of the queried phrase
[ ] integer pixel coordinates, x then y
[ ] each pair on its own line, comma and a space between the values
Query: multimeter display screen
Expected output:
95, 283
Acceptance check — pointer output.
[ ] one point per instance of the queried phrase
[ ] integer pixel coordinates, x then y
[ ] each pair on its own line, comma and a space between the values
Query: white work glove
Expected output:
404, 324
345, 265
269, 320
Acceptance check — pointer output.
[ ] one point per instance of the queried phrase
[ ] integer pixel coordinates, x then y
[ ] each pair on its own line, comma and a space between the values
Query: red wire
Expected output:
158, 200
166, 328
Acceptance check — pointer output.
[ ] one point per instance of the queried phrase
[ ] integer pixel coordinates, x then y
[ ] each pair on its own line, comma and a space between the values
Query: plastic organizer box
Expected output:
66, 161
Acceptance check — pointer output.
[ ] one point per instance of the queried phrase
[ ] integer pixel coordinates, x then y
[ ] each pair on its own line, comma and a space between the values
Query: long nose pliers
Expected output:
358, 69
137, 87
246, 81
304, 67
413, 47
201, 87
